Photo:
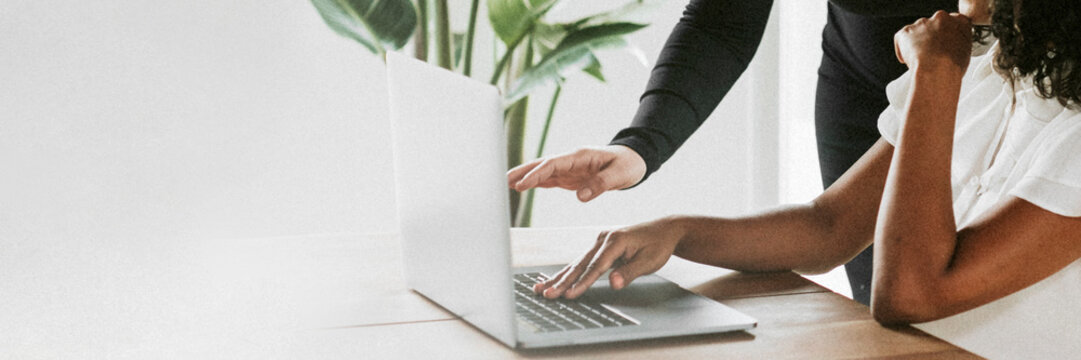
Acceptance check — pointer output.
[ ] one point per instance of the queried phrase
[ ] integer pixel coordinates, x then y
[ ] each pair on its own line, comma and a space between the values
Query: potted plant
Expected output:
534, 52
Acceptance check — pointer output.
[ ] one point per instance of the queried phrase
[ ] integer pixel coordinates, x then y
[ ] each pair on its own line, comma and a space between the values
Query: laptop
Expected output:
450, 170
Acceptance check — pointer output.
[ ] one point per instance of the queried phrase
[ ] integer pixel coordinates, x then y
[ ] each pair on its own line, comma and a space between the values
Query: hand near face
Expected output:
944, 39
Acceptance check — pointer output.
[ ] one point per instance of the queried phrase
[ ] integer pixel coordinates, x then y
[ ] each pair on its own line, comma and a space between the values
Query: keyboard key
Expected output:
547, 315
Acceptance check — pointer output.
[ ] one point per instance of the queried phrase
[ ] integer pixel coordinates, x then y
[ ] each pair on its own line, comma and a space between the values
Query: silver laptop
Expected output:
450, 164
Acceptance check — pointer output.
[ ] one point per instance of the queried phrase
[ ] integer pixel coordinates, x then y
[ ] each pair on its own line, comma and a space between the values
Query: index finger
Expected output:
545, 170
518, 172
606, 256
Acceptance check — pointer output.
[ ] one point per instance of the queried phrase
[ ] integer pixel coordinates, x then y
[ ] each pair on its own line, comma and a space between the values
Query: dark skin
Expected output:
897, 197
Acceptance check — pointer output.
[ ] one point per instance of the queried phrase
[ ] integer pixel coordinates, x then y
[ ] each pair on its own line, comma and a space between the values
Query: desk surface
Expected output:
344, 296
372, 314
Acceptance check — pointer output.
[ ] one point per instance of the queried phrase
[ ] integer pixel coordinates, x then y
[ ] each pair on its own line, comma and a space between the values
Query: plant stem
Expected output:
420, 39
506, 57
548, 121
442, 35
525, 219
526, 216
515, 126
470, 32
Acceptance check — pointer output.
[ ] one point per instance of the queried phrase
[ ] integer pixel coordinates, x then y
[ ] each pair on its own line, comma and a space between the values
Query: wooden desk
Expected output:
366, 311
343, 297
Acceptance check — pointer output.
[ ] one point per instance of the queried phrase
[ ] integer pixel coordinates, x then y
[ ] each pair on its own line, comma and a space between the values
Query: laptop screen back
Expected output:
450, 166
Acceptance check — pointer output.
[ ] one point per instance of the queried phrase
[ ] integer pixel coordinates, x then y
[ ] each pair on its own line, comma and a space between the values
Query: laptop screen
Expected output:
450, 166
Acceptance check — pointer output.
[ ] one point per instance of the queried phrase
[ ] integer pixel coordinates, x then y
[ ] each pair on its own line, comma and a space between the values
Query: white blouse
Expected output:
1010, 142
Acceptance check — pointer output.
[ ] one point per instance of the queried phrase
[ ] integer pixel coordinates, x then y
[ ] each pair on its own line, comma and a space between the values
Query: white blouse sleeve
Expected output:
889, 121
976, 93
1053, 180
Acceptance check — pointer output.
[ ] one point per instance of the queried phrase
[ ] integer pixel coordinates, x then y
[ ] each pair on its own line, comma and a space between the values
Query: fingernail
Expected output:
617, 281
586, 193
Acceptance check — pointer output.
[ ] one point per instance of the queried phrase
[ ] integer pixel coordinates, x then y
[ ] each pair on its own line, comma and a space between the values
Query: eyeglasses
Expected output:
981, 33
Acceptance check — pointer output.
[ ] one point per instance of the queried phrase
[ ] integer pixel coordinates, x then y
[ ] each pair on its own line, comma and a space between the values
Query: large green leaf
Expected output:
547, 36
634, 11
375, 24
574, 53
511, 19
593, 68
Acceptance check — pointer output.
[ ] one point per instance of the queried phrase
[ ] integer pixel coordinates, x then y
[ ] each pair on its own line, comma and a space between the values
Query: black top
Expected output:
715, 40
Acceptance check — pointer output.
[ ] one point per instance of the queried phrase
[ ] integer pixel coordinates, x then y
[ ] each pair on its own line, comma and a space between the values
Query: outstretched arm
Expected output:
707, 51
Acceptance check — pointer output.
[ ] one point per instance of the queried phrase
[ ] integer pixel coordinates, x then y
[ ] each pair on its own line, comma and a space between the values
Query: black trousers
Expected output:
846, 125
857, 63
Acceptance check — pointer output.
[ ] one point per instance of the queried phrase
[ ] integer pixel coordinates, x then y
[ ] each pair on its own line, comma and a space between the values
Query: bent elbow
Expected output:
892, 308
889, 315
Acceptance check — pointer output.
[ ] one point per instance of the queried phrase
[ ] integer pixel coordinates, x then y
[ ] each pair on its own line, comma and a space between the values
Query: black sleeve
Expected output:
704, 55
895, 8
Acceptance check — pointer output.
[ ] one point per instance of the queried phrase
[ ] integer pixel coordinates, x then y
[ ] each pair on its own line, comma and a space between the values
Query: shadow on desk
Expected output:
652, 345
744, 285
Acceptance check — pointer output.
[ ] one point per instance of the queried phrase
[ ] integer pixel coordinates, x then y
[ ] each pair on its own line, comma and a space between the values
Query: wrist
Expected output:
634, 163
935, 85
940, 68
677, 227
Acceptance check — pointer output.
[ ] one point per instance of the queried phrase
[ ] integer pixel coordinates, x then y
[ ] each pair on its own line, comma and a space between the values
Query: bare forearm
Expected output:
916, 233
810, 238
918, 202
797, 237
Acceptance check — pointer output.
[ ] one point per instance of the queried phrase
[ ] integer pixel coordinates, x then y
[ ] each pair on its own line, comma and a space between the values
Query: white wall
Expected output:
800, 54
186, 119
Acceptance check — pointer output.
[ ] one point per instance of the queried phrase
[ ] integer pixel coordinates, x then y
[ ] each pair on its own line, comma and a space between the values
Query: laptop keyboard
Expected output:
548, 315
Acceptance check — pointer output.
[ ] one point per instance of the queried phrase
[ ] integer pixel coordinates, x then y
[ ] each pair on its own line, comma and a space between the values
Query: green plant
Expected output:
534, 52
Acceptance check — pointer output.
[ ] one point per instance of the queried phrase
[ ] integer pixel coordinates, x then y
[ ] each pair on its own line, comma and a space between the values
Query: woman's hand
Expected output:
943, 39
590, 171
631, 252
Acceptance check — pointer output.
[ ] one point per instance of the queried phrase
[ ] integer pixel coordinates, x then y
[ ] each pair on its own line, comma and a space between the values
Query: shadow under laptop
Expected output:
736, 287
647, 293
657, 345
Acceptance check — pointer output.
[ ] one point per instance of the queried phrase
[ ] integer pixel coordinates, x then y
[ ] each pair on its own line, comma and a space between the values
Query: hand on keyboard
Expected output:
630, 252
547, 315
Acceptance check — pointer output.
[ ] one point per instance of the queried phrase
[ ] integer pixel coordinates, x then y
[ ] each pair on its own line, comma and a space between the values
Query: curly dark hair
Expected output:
1042, 39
